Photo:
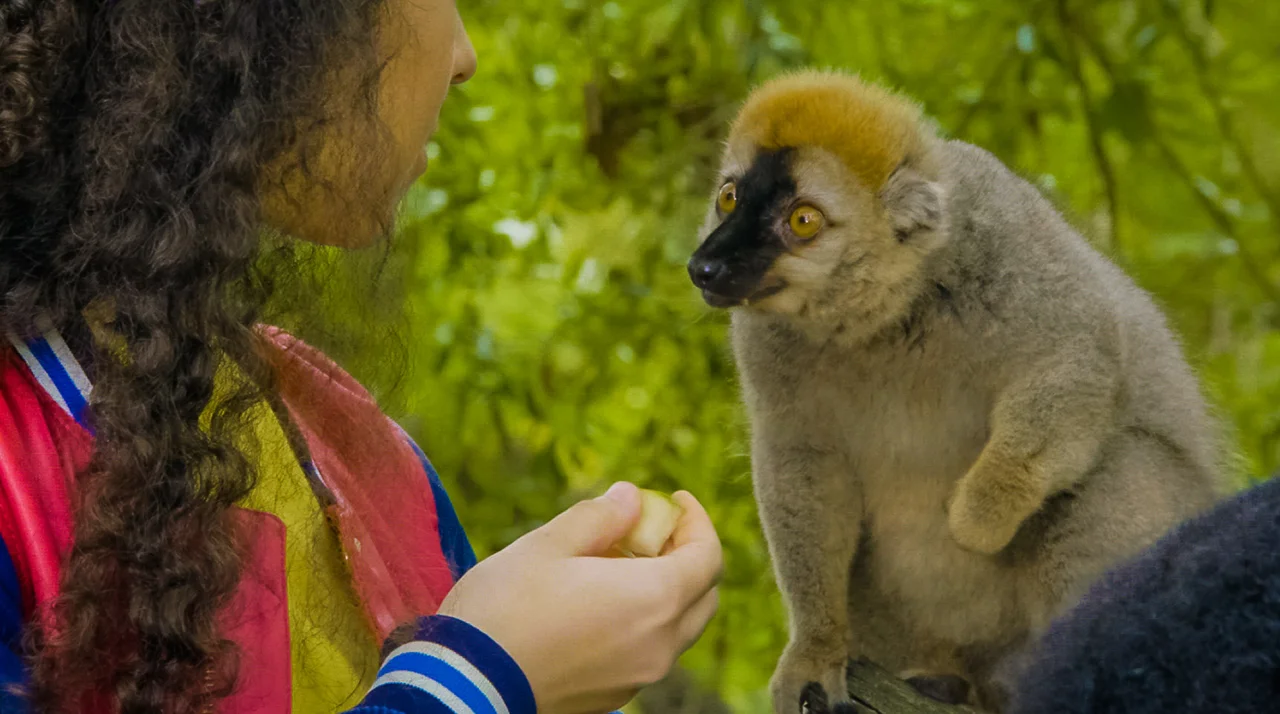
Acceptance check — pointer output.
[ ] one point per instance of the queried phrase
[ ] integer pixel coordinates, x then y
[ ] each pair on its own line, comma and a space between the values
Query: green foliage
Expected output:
558, 345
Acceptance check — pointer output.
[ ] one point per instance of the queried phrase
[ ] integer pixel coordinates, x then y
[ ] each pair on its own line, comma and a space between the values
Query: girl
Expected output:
200, 512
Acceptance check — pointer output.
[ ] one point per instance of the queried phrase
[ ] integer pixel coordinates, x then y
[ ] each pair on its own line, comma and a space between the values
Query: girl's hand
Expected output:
590, 630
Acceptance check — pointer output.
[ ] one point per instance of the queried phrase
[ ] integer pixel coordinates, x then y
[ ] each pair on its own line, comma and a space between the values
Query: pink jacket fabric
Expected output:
392, 545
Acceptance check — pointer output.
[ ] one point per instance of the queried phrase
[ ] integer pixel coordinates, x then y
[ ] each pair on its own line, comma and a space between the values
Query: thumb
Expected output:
592, 527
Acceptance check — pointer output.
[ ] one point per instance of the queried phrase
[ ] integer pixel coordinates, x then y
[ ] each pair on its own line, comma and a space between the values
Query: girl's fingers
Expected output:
694, 524
695, 552
594, 526
695, 621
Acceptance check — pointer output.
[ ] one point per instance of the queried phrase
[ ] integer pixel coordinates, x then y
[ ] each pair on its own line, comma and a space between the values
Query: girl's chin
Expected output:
420, 165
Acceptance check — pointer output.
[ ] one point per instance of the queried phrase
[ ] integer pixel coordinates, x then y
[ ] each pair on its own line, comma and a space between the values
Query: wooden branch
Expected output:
872, 689
875, 691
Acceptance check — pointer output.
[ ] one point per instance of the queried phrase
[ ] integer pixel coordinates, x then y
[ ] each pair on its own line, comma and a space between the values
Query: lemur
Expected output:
961, 413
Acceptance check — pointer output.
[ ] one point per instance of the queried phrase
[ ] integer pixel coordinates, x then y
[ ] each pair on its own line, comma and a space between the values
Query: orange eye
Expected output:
728, 198
806, 221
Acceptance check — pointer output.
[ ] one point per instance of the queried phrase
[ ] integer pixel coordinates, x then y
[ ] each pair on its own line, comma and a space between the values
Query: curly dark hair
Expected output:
133, 136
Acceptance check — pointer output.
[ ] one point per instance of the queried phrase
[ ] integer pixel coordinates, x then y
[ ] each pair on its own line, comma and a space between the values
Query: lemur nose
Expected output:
704, 273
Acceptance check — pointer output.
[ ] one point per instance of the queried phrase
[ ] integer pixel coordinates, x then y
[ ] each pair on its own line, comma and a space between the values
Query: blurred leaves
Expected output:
557, 345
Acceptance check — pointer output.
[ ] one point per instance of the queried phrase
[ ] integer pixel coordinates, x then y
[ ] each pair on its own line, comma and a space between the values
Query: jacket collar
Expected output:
56, 369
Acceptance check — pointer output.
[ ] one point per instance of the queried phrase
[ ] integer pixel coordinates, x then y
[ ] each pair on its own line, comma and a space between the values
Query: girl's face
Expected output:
349, 195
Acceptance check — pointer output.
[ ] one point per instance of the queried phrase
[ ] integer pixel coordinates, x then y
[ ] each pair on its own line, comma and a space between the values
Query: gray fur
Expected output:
945, 457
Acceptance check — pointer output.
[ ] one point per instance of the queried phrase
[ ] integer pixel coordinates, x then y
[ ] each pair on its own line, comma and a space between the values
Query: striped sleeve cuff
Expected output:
451, 667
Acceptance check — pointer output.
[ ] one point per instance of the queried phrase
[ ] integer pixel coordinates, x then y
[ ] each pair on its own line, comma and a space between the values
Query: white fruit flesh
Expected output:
658, 517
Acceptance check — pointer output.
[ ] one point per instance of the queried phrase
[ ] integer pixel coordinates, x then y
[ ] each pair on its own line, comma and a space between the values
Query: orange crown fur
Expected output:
868, 127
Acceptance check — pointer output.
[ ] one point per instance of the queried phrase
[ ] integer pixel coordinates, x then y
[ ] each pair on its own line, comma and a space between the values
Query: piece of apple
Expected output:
658, 517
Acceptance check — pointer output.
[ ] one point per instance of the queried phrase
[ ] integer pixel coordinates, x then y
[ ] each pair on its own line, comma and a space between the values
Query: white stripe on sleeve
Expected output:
430, 686
459, 663
38, 370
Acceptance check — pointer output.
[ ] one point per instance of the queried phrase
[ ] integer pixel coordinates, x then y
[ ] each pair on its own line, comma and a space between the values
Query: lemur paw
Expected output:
984, 520
814, 700
805, 684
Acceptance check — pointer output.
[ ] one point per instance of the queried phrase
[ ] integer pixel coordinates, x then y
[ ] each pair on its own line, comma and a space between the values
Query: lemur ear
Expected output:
914, 203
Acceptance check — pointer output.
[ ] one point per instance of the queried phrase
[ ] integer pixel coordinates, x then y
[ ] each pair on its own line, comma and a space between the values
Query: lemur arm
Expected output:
811, 509
1047, 428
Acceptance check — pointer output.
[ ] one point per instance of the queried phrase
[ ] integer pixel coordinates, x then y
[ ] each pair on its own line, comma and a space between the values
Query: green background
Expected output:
555, 344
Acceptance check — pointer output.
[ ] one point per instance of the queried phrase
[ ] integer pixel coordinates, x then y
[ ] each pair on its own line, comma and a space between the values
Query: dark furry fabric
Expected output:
1192, 625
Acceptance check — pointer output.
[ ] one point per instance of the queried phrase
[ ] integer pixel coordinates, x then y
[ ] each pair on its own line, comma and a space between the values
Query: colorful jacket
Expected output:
326, 577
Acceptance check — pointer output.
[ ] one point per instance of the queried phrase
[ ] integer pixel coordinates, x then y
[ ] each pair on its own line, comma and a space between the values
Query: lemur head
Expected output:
828, 203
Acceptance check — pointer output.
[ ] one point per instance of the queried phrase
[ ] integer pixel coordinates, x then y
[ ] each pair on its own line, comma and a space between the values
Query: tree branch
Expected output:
1251, 262
962, 126
1222, 115
997, 72
1096, 145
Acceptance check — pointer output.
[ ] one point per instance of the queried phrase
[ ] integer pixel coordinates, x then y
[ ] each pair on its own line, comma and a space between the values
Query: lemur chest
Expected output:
909, 435
908, 441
